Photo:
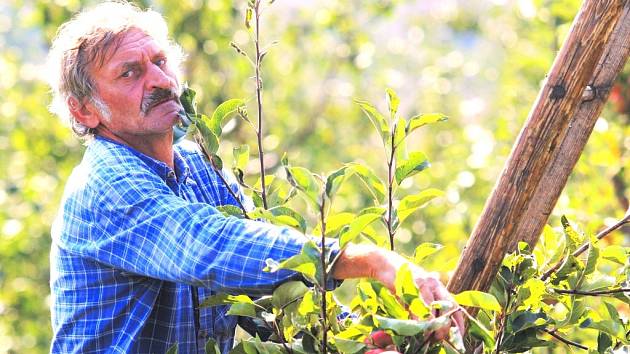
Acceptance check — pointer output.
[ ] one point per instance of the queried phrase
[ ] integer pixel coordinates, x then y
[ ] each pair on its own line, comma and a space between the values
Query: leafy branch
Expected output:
583, 248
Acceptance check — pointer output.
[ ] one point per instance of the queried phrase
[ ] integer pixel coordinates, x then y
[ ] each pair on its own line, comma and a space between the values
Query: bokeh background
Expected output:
481, 62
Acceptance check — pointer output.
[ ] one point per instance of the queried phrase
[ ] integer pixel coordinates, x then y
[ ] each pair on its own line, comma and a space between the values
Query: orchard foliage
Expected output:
480, 62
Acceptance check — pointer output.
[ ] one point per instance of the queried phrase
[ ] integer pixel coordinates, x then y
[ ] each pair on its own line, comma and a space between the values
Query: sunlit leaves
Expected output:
425, 250
411, 203
281, 215
367, 216
474, 298
424, 119
416, 162
377, 119
406, 288
306, 262
392, 102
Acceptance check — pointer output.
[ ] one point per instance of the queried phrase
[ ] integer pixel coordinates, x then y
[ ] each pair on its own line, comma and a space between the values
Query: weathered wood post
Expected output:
541, 142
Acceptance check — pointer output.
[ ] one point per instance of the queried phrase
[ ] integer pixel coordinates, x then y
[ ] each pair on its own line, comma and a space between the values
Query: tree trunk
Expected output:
538, 146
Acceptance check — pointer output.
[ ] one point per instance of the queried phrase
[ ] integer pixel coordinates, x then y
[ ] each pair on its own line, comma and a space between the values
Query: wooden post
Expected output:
537, 146
596, 94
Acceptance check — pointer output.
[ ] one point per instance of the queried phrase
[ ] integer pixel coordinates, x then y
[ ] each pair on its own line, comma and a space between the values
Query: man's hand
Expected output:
358, 261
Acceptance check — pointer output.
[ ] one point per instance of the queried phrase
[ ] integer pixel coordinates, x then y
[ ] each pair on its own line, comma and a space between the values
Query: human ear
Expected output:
84, 112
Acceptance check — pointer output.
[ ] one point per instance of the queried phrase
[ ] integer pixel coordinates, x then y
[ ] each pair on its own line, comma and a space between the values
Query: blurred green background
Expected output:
481, 62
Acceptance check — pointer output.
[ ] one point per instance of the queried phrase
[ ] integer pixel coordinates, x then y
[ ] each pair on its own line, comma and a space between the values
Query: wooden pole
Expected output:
596, 94
537, 145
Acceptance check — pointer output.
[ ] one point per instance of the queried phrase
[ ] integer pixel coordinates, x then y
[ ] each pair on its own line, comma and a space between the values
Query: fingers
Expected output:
431, 290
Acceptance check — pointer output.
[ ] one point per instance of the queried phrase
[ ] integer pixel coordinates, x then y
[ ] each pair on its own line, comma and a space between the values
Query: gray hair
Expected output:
83, 43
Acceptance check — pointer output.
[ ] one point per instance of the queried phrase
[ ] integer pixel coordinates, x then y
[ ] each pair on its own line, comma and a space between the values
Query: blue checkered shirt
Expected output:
134, 240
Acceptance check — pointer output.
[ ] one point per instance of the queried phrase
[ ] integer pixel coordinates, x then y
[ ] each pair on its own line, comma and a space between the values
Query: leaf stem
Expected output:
579, 251
564, 340
259, 130
390, 194
225, 182
322, 209
591, 293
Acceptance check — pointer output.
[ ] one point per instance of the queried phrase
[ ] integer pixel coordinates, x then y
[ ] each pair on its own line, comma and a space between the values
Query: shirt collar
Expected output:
182, 171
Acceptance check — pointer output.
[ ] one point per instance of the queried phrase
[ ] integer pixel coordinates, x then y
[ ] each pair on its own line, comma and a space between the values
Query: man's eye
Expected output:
160, 62
127, 73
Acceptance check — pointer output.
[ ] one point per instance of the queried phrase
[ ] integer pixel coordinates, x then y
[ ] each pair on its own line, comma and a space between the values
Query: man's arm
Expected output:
359, 261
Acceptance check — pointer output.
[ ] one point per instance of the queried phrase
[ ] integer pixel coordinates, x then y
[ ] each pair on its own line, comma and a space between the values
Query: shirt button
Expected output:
203, 333
171, 174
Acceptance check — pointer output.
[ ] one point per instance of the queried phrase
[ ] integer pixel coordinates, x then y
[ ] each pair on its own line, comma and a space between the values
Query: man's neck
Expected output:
159, 147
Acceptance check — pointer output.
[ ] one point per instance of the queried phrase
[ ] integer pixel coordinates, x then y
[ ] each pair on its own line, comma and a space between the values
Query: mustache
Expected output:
157, 96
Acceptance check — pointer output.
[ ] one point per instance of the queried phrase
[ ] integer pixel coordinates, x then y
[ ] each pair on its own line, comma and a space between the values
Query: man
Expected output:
138, 243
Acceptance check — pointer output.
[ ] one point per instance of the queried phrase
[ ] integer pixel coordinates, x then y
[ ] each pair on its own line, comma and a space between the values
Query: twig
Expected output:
390, 182
584, 247
225, 182
259, 130
564, 340
323, 262
591, 293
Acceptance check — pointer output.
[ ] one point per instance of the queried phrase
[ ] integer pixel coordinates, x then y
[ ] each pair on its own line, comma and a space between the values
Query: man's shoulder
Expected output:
188, 149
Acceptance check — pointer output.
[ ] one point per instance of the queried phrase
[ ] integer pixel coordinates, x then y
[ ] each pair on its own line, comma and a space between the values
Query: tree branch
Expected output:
564, 340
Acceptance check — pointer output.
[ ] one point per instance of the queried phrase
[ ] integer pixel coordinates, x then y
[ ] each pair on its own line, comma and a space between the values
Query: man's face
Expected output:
139, 88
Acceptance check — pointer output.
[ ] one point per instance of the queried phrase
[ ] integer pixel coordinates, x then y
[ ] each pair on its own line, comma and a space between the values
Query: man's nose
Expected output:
157, 78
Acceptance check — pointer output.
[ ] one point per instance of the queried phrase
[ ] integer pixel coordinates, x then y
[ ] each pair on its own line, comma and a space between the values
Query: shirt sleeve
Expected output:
137, 224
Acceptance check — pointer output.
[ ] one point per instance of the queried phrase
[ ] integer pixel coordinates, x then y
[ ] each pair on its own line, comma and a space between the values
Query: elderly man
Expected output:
138, 243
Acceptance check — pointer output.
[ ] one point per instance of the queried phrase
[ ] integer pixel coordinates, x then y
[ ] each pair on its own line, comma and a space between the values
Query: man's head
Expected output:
111, 65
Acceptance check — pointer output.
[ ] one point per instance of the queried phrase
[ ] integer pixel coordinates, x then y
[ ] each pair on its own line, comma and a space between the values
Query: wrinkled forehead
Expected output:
115, 43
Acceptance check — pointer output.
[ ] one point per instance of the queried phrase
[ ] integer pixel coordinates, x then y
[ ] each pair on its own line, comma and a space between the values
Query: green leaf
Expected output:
334, 223
424, 119
304, 181
281, 215
231, 210
405, 286
308, 305
248, 18
370, 180
424, 250
336, 179
419, 308
223, 111
410, 327
172, 349
212, 347
591, 260
570, 265
348, 346
479, 299
399, 132
365, 218
604, 341
377, 119
243, 309
391, 305
225, 299
241, 156
187, 100
288, 292
306, 262
616, 253
216, 163
521, 321
392, 102
416, 162
411, 203
207, 138
479, 331
573, 238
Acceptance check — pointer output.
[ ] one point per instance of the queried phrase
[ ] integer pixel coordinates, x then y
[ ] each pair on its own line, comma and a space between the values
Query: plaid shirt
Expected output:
134, 241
